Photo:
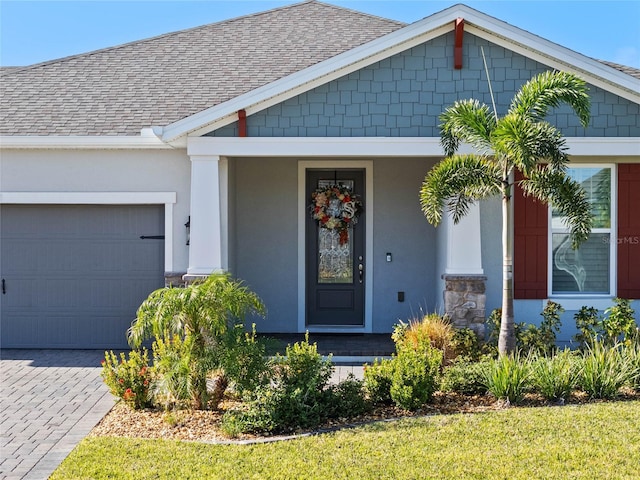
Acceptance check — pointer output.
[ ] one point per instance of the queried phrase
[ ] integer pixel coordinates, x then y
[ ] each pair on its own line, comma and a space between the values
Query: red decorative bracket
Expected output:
457, 52
242, 123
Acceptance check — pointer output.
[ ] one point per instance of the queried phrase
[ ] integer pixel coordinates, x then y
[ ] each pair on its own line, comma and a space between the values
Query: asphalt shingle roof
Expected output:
119, 90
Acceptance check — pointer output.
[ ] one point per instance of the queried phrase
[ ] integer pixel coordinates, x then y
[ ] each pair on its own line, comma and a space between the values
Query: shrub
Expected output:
377, 381
541, 339
173, 385
432, 330
296, 396
465, 343
415, 377
555, 377
619, 322
604, 370
508, 377
464, 376
243, 359
588, 324
128, 379
632, 355
347, 399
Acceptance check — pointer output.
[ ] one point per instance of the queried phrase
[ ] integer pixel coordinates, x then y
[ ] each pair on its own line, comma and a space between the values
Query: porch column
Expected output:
464, 293
205, 244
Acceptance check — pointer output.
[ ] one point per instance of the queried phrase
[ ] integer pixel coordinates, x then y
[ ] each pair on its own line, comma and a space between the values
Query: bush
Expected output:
555, 377
296, 396
173, 385
377, 381
619, 322
243, 359
541, 339
465, 343
587, 322
508, 377
432, 330
347, 399
605, 370
632, 355
465, 377
415, 377
128, 379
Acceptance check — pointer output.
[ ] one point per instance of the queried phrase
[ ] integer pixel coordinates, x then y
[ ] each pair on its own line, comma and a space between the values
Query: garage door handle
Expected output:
4, 287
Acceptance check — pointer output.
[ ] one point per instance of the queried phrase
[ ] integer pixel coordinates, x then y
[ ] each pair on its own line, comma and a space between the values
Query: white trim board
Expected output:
303, 165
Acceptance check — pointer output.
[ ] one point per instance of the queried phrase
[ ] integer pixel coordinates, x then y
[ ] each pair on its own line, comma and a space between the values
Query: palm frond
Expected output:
528, 143
566, 196
466, 121
456, 183
549, 90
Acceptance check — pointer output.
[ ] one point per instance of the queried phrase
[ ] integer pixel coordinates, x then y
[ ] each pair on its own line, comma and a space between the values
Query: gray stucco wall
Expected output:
264, 240
404, 95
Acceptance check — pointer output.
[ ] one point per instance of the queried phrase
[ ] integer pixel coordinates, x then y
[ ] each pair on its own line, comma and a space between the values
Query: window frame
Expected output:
613, 238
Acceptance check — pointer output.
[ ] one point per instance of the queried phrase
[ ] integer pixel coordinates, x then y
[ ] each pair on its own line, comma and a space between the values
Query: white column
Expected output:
205, 245
464, 252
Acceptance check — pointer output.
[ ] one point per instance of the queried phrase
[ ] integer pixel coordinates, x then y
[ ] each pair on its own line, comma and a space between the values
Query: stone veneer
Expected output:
465, 300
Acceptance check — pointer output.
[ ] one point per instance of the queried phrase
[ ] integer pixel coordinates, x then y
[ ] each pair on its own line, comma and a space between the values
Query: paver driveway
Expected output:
49, 401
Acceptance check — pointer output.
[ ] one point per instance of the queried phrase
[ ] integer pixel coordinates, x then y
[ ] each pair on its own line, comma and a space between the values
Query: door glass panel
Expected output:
335, 260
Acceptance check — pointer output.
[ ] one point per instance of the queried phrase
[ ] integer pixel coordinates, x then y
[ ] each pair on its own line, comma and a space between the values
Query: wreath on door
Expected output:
336, 208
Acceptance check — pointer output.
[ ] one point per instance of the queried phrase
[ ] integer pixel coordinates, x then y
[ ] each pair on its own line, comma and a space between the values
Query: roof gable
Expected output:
621, 83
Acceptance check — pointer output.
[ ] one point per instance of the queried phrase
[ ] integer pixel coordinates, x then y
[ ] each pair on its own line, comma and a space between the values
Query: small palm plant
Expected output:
521, 140
201, 315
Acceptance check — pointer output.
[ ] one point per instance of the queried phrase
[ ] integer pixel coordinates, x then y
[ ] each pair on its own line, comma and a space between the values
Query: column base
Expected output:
465, 301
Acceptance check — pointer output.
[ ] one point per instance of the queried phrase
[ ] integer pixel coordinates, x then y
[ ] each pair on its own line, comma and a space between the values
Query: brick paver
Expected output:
49, 401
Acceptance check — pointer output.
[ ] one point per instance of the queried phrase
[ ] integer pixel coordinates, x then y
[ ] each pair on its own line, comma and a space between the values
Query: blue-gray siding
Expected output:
402, 96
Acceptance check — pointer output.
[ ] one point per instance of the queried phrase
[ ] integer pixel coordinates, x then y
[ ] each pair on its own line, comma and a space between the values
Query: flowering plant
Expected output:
336, 208
128, 379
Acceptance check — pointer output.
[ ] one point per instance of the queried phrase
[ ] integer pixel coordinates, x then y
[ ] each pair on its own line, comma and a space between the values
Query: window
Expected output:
587, 270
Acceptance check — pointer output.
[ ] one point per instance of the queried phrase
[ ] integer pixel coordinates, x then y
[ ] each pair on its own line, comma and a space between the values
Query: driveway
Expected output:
49, 401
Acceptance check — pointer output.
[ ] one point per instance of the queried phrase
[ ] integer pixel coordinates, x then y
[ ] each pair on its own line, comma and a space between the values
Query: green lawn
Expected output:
597, 440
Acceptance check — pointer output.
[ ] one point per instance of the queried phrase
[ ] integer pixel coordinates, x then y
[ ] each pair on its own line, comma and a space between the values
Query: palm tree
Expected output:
199, 316
520, 140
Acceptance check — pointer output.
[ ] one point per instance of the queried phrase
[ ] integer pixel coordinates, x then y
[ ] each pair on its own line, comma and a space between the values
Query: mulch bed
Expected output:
203, 425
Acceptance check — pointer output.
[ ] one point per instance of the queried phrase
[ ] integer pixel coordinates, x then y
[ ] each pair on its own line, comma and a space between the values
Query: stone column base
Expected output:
173, 279
464, 301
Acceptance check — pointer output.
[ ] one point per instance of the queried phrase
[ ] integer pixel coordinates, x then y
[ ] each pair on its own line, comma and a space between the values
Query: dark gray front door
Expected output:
74, 275
334, 266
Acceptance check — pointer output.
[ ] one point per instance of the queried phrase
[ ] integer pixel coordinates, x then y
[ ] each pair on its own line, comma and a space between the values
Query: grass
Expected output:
596, 440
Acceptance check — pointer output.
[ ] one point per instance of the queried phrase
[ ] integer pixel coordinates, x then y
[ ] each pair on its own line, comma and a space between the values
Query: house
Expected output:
141, 165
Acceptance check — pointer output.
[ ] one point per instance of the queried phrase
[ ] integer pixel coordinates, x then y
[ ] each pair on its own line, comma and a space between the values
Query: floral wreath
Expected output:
336, 208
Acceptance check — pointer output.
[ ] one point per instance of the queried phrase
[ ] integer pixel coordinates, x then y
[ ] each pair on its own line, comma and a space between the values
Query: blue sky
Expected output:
36, 31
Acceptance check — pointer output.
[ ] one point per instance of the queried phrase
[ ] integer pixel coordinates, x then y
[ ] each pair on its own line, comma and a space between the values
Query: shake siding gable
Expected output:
530, 246
628, 231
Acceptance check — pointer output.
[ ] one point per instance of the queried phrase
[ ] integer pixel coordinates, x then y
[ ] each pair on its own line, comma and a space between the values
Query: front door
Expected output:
335, 260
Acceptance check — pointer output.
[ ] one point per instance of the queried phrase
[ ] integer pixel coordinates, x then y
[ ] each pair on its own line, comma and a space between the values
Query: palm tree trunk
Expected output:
507, 340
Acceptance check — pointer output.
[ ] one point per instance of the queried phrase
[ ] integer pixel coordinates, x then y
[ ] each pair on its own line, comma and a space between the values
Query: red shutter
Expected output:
530, 246
629, 231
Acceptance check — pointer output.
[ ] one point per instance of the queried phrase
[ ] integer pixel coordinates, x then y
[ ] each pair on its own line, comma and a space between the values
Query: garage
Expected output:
74, 275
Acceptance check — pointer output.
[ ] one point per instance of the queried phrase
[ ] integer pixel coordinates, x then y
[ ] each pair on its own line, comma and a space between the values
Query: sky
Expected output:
38, 31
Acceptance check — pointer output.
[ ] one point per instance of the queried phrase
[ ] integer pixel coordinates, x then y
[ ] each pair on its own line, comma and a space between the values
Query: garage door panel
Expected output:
76, 275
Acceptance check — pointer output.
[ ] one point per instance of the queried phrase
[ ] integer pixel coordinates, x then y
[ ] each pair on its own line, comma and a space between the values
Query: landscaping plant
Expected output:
508, 377
605, 369
521, 140
128, 378
541, 339
201, 316
555, 376
588, 324
619, 323
377, 380
415, 376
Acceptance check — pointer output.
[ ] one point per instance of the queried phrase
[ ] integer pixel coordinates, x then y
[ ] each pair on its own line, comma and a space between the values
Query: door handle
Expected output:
360, 271
4, 287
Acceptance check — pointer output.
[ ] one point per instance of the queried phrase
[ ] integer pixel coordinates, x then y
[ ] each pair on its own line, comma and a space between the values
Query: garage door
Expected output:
74, 275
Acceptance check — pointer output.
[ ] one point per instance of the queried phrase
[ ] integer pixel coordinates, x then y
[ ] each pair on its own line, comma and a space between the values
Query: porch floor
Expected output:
338, 344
